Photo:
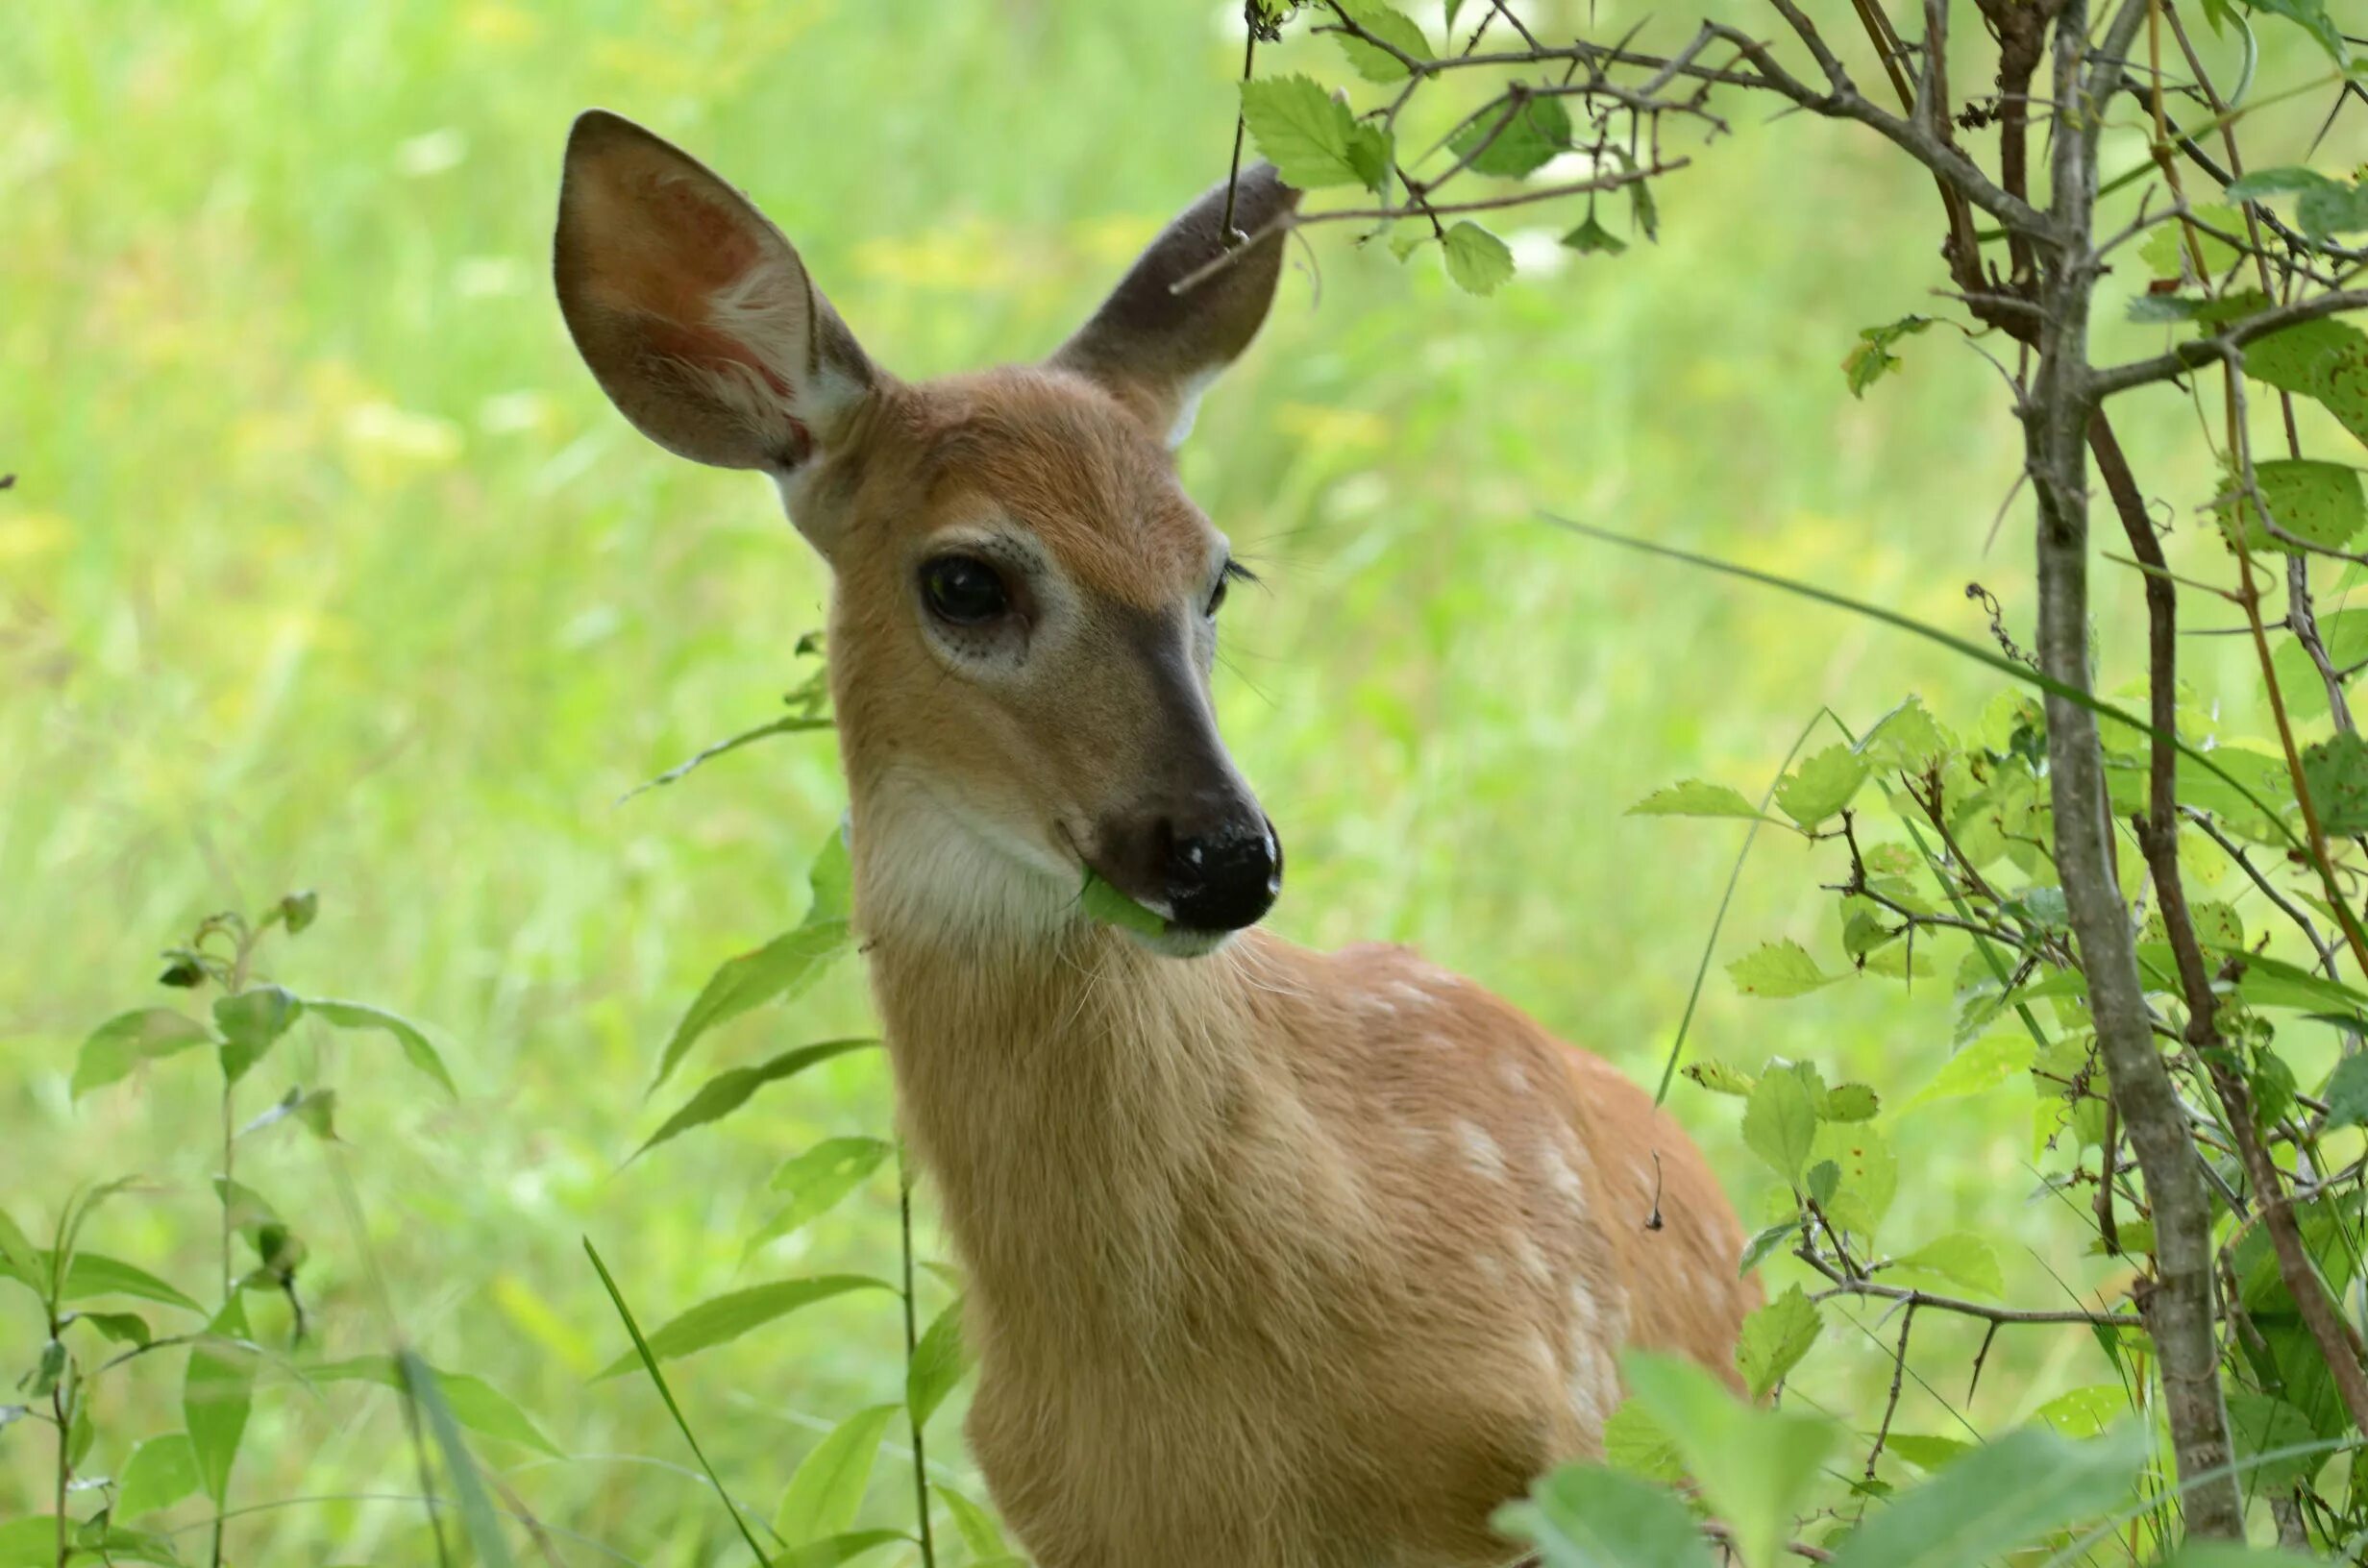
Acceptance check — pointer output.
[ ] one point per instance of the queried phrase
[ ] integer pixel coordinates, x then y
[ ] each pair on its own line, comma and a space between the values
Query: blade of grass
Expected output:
1709, 944
2021, 673
650, 1361
477, 1515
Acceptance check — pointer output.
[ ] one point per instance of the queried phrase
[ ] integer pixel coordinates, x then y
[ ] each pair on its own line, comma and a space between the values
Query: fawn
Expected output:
1276, 1258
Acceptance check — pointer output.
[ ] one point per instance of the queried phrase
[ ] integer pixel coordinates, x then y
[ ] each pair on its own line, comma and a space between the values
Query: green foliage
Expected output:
1111, 907
1310, 137
1515, 141
829, 1484
1871, 358
1584, 1516
1389, 24
1692, 797
1754, 1467
728, 1316
1476, 260
1775, 1338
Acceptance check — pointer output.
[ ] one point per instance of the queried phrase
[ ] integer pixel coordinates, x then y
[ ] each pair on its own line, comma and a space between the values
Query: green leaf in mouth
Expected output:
1111, 907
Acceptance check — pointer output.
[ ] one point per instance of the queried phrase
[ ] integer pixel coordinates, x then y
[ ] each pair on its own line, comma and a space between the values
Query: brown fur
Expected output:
1277, 1258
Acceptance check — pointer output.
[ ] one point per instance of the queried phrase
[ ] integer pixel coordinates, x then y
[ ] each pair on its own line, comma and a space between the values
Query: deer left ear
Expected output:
1157, 349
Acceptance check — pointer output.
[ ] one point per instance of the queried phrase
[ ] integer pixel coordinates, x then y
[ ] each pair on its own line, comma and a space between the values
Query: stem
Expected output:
2179, 1307
66, 1460
912, 1342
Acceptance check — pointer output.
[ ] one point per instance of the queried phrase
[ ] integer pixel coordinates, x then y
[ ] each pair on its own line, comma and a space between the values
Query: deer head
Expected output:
1024, 606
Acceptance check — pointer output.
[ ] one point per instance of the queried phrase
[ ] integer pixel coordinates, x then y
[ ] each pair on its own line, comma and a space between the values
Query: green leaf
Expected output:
2311, 499
297, 911
2344, 634
780, 970
1754, 1466
726, 1317
476, 1404
1634, 1442
939, 1362
1719, 1078
1476, 260
1959, 1257
1907, 739
159, 1473
1694, 799
1871, 358
818, 1180
1775, 1338
2336, 772
251, 1023
728, 1090
1926, 1453
407, 1036
2235, 1554
146, 1034
2347, 1094
1780, 1122
1586, 1516
2014, 1490
1302, 131
1869, 1174
1764, 1243
1592, 238
215, 1395
121, 1328
2326, 361
834, 1550
2261, 1424
829, 1484
1394, 27
1106, 904
2084, 1411
1821, 786
1823, 1180
2310, 15
1778, 969
2167, 255
90, 1274
477, 1515
973, 1524
1536, 129
1848, 1102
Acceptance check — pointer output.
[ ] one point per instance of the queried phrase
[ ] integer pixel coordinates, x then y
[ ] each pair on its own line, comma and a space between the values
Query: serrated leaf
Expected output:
1477, 260
1820, 786
2313, 501
1907, 739
2261, 1425
1633, 1442
1719, 1078
2347, 1092
1988, 1063
728, 1090
1587, 1516
1869, 1174
2013, 1490
1692, 798
251, 1023
1754, 1466
1780, 1122
161, 1472
1961, 1258
476, 1404
2336, 772
1871, 358
1756, 1250
2326, 361
216, 1393
1592, 238
728, 1316
829, 1484
939, 1362
1775, 1338
1848, 1102
1823, 1180
1394, 28
1301, 130
407, 1036
1534, 131
147, 1034
1777, 970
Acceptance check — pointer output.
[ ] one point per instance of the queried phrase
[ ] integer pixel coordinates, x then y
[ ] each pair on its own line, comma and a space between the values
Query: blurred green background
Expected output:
328, 566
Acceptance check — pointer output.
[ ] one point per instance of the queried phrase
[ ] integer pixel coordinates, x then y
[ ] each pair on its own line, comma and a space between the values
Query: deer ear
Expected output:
1158, 349
694, 313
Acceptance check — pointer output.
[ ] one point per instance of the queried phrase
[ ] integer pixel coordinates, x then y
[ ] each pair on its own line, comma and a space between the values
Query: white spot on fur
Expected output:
1480, 1151
1509, 1072
1490, 1267
1560, 1175
1531, 1262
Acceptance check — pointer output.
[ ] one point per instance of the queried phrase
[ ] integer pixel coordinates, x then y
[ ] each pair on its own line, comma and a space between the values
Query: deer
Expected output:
1274, 1258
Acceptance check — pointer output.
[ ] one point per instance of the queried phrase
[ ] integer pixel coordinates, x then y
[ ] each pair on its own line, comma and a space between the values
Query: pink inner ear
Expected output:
706, 346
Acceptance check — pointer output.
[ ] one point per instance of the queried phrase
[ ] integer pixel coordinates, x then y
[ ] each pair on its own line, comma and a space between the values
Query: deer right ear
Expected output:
694, 313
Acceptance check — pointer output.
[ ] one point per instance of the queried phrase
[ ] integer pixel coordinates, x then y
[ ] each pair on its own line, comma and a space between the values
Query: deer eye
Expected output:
1226, 576
963, 590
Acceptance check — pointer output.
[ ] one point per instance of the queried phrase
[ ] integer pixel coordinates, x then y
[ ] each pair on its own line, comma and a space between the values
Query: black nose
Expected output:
1225, 878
